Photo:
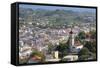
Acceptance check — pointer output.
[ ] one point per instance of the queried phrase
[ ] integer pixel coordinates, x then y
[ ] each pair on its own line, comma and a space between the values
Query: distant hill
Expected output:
55, 17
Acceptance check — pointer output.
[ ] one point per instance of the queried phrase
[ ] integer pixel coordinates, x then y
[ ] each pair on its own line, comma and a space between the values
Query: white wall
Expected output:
5, 34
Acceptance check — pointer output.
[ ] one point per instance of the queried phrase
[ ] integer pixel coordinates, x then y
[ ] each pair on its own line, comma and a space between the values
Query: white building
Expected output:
71, 58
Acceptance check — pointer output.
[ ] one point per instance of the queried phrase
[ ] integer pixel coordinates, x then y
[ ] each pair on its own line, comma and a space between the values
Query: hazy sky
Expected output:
57, 7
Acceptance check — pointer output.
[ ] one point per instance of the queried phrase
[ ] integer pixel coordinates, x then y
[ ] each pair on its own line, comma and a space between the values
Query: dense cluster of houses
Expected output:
35, 38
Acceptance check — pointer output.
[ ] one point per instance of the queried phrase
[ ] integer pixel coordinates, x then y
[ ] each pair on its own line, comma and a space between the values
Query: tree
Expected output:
81, 35
50, 48
39, 54
63, 49
84, 54
93, 34
91, 46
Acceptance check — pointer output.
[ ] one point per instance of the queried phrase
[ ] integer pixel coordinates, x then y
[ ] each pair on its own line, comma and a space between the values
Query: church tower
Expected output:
74, 43
71, 34
72, 40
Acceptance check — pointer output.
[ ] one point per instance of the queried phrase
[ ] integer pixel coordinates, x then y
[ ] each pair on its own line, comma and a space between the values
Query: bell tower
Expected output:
71, 40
